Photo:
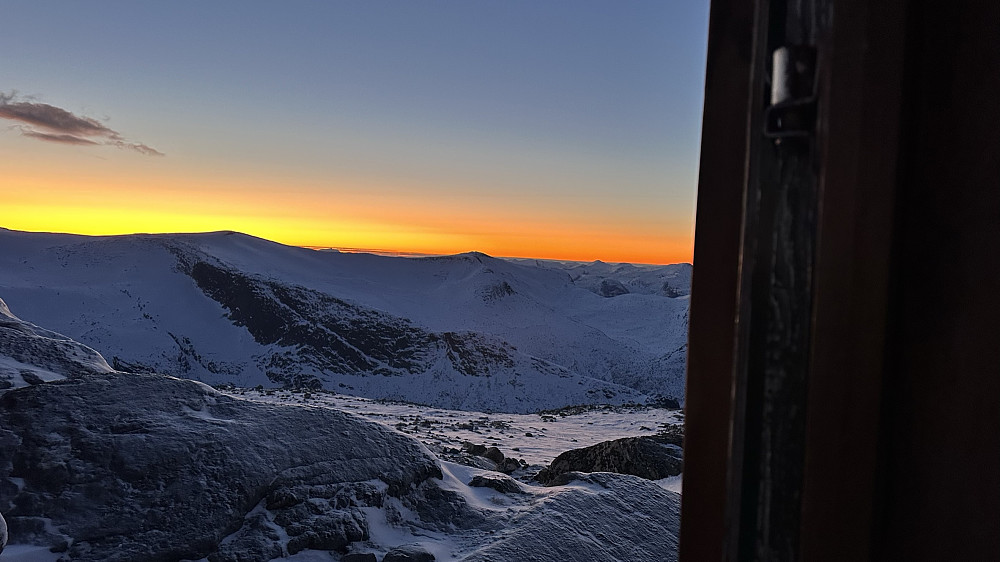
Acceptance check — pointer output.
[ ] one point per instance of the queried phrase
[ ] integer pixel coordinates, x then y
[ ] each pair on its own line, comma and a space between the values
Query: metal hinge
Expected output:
792, 112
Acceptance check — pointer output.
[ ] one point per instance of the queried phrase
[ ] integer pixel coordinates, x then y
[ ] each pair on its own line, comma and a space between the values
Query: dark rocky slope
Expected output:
148, 467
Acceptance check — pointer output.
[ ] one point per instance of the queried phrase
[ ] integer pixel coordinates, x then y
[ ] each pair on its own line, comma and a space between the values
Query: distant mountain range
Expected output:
466, 332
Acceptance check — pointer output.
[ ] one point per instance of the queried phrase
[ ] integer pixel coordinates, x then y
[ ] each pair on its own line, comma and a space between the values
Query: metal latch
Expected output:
793, 93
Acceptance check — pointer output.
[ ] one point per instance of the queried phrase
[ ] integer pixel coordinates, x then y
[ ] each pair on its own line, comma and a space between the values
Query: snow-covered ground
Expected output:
550, 515
536, 438
32, 553
467, 331
330, 480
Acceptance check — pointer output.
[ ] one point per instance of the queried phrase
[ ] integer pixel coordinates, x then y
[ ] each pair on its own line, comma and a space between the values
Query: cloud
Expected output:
138, 147
49, 123
65, 139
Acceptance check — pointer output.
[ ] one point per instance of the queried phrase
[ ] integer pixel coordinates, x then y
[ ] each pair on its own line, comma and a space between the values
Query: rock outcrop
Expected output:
653, 457
127, 467
103, 465
612, 288
32, 355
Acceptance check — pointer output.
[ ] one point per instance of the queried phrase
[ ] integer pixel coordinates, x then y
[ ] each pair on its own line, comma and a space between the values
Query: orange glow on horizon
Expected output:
343, 215
555, 243
663, 250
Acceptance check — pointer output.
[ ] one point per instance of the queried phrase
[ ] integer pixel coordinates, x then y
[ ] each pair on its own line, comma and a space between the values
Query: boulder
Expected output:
359, 557
509, 465
494, 455
650, 457
474, 449
408, 553
502, 484
491, 458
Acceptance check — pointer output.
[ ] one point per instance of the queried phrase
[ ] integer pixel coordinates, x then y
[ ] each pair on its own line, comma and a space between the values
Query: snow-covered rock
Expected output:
128, 467
32, 355
600, 516
613, 279
408, 553
120, 466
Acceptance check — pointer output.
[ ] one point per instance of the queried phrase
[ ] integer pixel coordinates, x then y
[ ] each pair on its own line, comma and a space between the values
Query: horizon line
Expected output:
344, 249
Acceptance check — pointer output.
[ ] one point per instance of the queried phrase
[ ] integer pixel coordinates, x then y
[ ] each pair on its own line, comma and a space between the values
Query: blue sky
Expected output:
587, 113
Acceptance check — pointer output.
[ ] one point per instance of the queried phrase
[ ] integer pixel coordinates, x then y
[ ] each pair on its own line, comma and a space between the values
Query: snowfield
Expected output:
99, 464
466, 332
264, 402
537, 438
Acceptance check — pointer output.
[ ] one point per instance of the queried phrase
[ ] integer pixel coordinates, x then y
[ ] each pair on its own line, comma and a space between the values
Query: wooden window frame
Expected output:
905, 182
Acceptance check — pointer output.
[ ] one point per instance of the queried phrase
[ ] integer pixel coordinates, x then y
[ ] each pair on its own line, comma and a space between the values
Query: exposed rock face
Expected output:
3, 533
670, 291
148, 467
330, 334
654, 457
502, 484
612, 288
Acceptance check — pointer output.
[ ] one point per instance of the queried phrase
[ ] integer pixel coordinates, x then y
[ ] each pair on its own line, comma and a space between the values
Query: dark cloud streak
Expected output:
65, 139
61, 126
53, 118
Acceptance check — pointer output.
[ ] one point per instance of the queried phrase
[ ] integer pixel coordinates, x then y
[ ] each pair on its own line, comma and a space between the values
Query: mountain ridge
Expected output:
157, 303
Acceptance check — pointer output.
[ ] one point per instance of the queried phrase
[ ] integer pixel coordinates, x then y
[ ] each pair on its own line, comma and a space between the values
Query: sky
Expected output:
548, 129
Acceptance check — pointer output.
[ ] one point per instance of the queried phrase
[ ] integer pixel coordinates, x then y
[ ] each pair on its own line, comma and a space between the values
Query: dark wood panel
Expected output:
941, 439
713, 293
859, 120
896, 370
775, 299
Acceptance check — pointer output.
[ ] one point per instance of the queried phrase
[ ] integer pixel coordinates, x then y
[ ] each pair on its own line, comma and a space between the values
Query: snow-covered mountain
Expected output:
613, 279
466, 331
103, 465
